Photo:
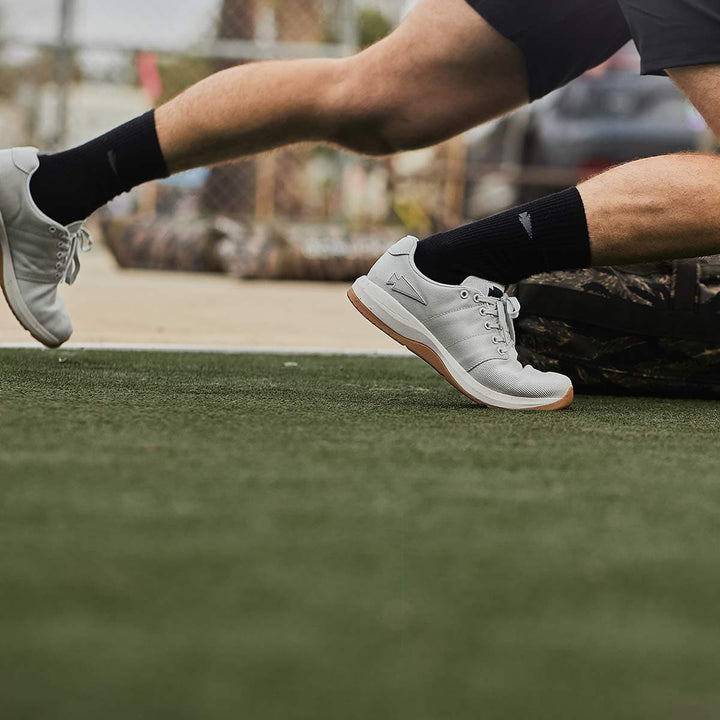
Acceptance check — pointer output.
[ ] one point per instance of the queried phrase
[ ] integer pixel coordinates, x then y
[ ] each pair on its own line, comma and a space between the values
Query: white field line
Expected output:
210, 349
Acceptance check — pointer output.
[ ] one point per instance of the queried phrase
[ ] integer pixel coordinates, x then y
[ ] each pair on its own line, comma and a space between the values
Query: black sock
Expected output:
544, 235
68, 186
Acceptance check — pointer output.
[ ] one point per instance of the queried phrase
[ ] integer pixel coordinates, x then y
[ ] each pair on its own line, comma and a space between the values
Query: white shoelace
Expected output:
69, 248
511, 311
507, 309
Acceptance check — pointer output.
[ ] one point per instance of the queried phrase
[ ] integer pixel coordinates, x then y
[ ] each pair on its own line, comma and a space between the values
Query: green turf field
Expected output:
204, 537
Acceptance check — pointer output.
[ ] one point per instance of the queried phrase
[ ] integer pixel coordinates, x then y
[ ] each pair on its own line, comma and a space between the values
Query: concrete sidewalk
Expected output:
110, 305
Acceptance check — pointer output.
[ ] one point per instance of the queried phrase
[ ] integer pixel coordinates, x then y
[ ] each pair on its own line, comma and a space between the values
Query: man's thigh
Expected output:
453, 64
560, 39
442, 71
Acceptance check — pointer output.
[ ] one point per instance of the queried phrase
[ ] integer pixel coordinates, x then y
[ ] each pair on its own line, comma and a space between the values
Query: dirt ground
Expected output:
111, 305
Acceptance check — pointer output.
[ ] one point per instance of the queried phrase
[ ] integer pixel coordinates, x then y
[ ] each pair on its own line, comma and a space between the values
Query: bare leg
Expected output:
663, 207
441, 72
659, 208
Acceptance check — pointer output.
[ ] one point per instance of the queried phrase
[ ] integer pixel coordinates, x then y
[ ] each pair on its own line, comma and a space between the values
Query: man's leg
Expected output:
657, 208
444, 298
654, 209
651, 209
444, 70
428, 295
665, 207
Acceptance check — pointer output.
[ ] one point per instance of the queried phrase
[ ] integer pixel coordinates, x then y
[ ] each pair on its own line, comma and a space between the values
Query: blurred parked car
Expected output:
608, 116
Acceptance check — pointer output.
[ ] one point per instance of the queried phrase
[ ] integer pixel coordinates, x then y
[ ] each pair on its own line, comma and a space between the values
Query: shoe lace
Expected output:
70, 245
505, 310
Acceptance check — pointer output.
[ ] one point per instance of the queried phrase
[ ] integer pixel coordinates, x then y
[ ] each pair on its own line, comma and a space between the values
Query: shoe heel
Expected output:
390, 312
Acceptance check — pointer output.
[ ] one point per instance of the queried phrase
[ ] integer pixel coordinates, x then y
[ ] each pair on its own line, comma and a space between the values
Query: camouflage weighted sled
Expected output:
649, 329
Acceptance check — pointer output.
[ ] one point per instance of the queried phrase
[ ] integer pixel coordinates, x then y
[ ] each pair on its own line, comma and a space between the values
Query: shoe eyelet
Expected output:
483, 311
477, 299
52, 229
488, 326
502, 351
496, 340
464, 294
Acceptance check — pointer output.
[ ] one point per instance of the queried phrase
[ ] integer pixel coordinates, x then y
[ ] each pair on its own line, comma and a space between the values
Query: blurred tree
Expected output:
178, 73
372, 26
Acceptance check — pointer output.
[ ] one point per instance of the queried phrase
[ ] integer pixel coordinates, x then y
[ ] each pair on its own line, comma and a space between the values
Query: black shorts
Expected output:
561, 39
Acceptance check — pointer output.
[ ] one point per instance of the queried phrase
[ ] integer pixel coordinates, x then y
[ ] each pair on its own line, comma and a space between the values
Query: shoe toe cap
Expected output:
512, 378
48, 309
546, 384
560, 383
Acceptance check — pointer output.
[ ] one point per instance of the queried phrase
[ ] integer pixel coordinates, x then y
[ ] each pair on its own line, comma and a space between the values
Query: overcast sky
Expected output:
170, 21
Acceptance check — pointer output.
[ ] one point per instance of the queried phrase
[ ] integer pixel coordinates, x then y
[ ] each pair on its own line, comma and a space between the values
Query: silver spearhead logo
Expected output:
526, 221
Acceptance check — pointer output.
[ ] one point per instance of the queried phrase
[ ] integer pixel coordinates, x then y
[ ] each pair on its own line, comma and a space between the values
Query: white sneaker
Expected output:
465, 332
36, 253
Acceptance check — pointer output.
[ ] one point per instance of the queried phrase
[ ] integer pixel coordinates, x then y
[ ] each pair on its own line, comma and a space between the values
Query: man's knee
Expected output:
385, 133
431, 79
374, 111
362, 107
442, 71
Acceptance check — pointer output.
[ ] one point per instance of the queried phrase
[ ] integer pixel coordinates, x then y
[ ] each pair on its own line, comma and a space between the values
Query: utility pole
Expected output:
348, 25
64, 68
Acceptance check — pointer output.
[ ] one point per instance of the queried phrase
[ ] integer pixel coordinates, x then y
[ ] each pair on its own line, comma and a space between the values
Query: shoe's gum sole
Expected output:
433, 359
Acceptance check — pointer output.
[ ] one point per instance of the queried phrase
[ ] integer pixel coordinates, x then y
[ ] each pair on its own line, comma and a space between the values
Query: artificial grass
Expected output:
199, 536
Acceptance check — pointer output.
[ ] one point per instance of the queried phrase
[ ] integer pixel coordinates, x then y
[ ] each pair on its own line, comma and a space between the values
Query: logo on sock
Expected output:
112, 159
526, 221
401, 285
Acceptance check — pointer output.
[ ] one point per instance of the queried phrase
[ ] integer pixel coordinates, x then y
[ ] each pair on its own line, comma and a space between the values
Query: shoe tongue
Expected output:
484, 287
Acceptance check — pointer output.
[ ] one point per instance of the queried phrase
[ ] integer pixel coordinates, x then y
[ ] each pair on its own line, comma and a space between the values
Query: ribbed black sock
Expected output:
68, 186
544, 235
